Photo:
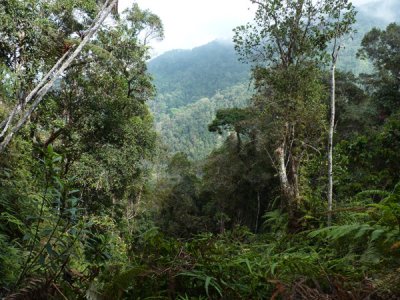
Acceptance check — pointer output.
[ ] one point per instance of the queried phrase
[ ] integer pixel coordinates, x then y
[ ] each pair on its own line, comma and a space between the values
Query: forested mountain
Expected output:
184, 129
184, 76
190, 83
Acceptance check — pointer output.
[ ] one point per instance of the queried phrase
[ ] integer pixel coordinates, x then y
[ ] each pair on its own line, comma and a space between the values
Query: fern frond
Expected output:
370, 193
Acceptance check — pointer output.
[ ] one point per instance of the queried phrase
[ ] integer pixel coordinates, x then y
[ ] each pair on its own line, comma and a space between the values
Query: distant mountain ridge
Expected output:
188, 75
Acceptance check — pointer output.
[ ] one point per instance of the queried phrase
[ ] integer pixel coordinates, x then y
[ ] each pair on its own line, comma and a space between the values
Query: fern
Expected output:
369, 193
339, 231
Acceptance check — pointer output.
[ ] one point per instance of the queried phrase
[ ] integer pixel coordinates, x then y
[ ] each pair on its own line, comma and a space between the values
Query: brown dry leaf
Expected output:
395, 246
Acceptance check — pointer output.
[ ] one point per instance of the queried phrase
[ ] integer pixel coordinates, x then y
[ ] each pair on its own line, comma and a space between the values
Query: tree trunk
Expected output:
17, 109
330, 144
41, 89
280, 155
289, 190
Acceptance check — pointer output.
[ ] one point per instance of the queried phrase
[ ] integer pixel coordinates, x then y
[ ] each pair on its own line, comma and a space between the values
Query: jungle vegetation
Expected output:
94, 204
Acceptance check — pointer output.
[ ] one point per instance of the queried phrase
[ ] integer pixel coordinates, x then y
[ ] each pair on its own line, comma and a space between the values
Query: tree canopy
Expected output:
220, 195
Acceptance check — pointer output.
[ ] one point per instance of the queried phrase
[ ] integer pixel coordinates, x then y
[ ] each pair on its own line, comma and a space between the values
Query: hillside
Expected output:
185, 76
190, 82
191, 86
185, 129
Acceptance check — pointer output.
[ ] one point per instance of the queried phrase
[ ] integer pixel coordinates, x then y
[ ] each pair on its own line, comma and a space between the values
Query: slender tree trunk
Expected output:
40, 91
17, 109
283, 178
330, 143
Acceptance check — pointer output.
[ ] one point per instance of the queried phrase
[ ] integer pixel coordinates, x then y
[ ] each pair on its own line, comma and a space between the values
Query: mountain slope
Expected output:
193, 84
185, 76
185, 129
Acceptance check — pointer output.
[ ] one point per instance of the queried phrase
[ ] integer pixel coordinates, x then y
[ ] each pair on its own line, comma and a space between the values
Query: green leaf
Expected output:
207, 283
376, 234
50, 250
73, 192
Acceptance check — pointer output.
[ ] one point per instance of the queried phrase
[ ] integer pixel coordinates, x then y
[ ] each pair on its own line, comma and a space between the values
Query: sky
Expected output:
191, 23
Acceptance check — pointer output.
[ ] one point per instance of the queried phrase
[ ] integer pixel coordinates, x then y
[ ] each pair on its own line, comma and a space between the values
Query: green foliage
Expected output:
240, 265
372, 237
286, 43
185, 128
91, 206
381, 47
184, 76
10, 254
190, 83
229, 119
181, 211
372, 159
291, 32
81, 162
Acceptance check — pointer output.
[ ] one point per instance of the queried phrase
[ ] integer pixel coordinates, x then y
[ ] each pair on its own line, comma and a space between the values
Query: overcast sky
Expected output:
191, 23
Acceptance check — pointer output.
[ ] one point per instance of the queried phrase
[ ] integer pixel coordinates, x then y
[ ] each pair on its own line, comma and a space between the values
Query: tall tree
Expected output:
286, 41
98, 116
342, 27
86, 152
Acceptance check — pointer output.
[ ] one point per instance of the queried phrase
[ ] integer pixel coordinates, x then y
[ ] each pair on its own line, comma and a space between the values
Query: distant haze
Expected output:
388, 10
190, 23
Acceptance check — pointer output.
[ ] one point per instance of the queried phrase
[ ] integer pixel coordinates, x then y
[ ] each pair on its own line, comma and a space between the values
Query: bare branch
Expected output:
42, 91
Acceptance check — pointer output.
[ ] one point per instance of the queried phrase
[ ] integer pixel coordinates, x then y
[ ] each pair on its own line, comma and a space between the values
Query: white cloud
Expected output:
190, 23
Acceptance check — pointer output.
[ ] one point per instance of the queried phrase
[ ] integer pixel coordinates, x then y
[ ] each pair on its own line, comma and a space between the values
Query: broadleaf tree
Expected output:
46, 83
287, 43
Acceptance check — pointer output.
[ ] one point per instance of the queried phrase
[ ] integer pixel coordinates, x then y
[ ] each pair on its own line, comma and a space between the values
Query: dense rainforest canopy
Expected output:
98, 201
